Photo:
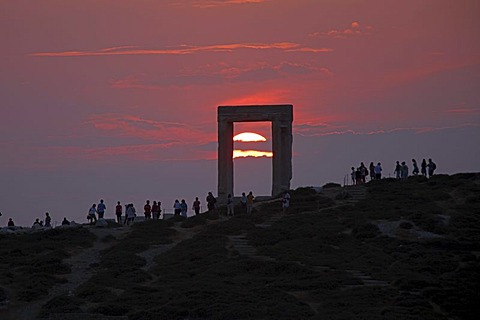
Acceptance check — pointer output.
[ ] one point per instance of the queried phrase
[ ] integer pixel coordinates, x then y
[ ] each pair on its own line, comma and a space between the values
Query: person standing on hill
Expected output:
230, 207
10, 223
363, 172
196, 206
48, 220
431, 168
404, 170
91, 217
352, 174
378, 171
177, 208
130, 214
147, 210
101, 209
118, 212
211, 201
184, 208
424, 168
415, 167
358, 176
372, 171
398, 170
155, 210
250, 199
243, 202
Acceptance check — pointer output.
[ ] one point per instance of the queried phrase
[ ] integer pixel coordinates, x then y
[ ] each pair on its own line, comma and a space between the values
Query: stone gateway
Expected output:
281, 117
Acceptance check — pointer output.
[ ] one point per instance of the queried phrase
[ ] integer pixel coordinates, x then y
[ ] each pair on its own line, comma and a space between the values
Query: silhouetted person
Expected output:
196, 206
101, 209
211, 201
230, 209
118, 212
91, 217
10, 223
130, 214
37, 223
424, 168
431, 168
250, 199
184, 208
48, 220
177, 208
353, 175
363, 172
378, 171
358, 176
147, 210
398, 170
404, 170
65, 222
243, 202
372, 171
415, 170
155, 210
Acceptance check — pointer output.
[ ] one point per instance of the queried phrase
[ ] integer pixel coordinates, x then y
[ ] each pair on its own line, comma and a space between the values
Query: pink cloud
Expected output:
167, 133
185, 49
213, 3
355, 29
417, 73
464, 111
322, 129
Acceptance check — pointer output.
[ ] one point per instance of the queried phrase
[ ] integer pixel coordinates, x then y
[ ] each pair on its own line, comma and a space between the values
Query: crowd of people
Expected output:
374, 172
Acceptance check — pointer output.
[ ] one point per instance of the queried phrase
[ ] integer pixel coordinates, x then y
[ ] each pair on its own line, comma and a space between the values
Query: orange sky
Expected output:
117, 98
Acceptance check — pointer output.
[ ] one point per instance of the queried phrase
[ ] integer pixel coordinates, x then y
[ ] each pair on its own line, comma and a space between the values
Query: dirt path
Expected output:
82, 266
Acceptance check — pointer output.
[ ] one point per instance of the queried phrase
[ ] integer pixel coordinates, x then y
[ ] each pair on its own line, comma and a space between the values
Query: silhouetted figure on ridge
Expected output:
183, 208
147, 210
372, 171
211, 201
65, 222
404, 170
243, 202
230, 206
155, 210
378, 171
177, 208
250, 199
196, 206
431, 168
424, 168
91, 217
398, 170
415, 167
48, 220
119, 212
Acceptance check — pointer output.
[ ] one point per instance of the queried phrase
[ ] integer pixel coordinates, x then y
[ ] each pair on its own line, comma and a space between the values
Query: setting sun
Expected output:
249, 137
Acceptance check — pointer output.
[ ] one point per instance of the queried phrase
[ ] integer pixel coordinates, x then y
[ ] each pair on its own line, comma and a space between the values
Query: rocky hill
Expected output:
389, 249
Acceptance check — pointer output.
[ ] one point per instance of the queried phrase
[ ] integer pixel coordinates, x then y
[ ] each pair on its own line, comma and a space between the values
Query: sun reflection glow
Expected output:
251, 153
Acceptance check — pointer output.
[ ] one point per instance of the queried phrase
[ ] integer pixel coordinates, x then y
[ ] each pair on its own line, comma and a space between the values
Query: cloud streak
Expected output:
206, 4
309, 130
355, 29
184, 50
